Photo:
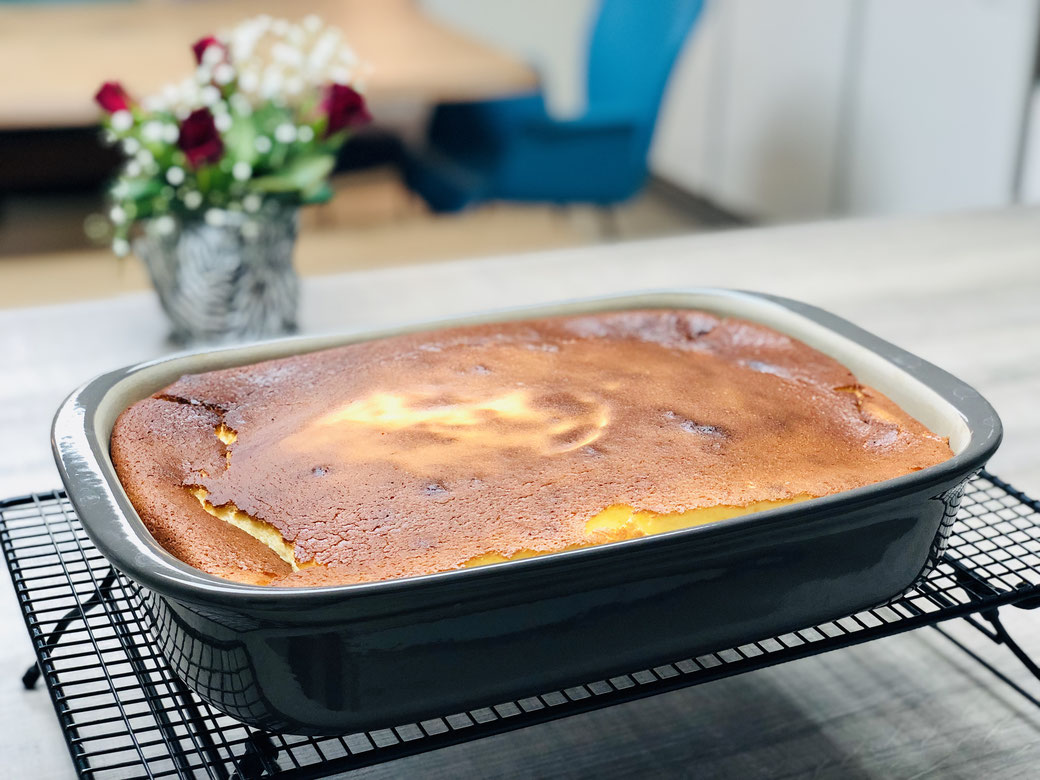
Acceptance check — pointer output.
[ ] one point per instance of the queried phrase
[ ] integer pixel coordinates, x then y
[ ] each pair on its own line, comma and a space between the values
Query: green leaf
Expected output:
204, 178
321, 195
240, 140
305, 175
136, 189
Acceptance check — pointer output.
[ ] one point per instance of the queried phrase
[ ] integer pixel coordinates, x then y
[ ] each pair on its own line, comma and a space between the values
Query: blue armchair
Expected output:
511, 149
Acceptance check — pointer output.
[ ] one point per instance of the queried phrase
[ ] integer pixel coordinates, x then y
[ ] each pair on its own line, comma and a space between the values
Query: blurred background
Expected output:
752, 111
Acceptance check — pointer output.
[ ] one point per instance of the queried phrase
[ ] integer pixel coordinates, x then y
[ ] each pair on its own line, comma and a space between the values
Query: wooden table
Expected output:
61, 53
960, 291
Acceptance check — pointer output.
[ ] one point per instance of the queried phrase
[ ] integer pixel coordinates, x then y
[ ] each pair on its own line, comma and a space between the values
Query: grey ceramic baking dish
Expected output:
344, 658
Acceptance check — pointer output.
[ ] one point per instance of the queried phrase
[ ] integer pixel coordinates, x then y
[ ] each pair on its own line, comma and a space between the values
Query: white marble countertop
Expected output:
961, 291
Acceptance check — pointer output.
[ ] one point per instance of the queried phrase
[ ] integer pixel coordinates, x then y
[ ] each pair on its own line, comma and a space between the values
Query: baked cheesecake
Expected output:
476, 445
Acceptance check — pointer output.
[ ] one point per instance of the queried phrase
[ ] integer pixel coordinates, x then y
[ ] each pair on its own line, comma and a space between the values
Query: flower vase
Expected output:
226, 278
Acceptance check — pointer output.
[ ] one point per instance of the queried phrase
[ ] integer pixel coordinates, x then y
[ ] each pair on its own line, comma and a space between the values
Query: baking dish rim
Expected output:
115, 528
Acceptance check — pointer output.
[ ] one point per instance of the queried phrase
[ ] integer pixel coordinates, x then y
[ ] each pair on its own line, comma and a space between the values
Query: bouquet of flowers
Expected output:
259, 122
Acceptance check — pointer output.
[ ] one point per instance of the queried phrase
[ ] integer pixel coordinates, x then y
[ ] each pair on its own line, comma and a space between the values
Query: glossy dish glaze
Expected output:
336, 659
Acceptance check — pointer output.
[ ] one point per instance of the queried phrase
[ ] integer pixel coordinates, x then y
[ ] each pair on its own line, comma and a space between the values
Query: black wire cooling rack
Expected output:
124, 713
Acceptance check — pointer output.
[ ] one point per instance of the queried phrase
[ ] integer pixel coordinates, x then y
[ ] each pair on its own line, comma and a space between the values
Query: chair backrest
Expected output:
632, 48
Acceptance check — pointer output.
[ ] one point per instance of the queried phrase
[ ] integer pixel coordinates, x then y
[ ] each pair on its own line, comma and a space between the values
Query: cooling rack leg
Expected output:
1000, 636
992, 616
259, 759
79, 612
31, 677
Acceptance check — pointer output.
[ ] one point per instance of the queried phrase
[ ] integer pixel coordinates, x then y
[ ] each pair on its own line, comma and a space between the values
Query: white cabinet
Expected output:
1029, 183
816, 107
752, 118
941, 92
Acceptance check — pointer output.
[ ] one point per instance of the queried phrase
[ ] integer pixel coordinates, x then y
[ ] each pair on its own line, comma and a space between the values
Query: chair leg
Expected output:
609, 224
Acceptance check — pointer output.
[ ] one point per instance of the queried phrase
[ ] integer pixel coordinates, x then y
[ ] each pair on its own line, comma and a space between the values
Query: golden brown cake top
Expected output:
423, 452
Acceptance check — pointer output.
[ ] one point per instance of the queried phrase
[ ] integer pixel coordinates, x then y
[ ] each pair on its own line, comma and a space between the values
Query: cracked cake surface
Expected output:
437, 450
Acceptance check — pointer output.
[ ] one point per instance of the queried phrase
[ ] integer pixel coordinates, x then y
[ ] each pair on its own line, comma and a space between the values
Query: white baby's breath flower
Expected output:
188, 91
323, 51
215, 217
122, 121
133, 169
165, 225
240, 104
171, 133
192, 199
282, 62
175, 176
109, 137
262, 144
287, 55
244, 39
203, 73
152, 131
131, 145
119, 190
171, 93
242, 46
145, 158
222, 122
209, 95
252, 202
285, 133
242, 170
223, 73
117, 214
304, 134
121, 247
153, 103
212, 55
249, 81
271, 84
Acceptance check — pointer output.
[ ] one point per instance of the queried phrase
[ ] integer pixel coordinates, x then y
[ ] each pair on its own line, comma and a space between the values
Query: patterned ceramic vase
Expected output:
226, 278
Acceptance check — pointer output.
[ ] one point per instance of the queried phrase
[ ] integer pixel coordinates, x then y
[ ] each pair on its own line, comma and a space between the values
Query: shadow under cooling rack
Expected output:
124, 713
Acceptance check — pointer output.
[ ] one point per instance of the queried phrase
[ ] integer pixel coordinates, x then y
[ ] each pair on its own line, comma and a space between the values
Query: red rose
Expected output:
200, 46
199, 139
112, 97
345, 108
